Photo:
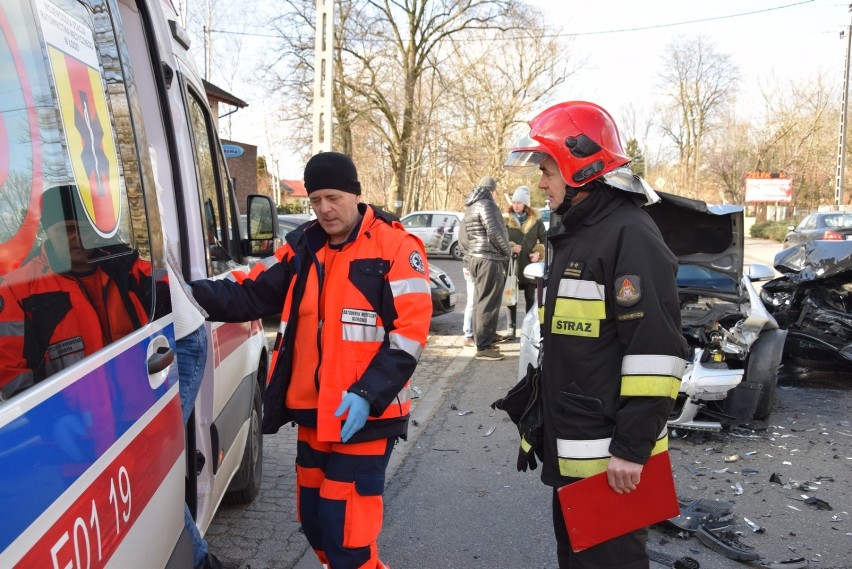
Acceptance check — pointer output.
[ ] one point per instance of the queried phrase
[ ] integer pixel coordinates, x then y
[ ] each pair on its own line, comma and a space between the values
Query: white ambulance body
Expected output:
95, 462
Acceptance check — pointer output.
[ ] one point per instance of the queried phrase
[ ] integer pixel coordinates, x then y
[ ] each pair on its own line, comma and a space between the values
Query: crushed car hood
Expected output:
708, 236
815, 260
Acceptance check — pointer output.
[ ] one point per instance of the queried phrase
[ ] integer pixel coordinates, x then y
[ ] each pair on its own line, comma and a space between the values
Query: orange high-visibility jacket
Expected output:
354, 319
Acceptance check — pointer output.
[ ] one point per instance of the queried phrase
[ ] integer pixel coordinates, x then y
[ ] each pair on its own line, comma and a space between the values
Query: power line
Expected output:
686, 22
579, 34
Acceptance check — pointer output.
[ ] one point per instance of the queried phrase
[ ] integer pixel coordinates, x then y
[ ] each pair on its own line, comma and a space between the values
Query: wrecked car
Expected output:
812, 300
735, 345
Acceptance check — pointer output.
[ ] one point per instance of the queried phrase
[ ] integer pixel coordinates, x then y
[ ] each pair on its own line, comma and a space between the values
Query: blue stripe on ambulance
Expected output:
41, 455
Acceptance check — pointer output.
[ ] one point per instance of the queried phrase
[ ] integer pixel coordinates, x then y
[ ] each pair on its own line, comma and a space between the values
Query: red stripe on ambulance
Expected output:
90, 531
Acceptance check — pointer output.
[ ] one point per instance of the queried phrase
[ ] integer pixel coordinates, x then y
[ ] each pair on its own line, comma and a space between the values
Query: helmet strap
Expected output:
570, 193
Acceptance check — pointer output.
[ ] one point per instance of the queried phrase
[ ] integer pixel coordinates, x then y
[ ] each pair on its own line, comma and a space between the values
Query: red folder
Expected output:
594, 513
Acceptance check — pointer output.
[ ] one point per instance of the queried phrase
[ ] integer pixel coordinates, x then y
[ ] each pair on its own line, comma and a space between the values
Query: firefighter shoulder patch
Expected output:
416, 262
628, 290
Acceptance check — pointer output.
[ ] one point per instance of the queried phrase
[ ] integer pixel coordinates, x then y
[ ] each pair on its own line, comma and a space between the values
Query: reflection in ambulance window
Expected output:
71, 299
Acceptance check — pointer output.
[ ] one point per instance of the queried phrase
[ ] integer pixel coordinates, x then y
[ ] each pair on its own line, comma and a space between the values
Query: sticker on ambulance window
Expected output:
85, 116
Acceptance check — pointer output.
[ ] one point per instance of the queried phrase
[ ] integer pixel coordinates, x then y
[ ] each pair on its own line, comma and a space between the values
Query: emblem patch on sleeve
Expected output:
416, 262
628, 290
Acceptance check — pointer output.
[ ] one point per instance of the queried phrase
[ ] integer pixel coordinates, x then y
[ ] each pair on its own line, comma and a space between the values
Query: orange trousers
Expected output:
339, 498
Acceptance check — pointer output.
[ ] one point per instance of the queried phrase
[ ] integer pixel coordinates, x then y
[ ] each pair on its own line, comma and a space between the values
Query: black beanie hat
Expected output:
331, 171
60, 203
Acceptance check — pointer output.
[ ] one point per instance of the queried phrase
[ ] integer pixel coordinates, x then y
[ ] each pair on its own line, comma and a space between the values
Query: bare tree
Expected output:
699, 82
799, 133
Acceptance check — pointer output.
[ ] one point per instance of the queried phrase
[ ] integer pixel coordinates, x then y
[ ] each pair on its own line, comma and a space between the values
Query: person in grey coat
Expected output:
485, 243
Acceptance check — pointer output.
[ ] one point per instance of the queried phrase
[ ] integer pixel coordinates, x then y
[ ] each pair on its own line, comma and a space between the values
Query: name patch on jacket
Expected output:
576, 327
65, 347
628, 290
363, 317
574, 269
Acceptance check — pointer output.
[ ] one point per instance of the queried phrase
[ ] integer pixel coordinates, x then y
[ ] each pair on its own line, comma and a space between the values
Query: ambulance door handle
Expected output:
160, 360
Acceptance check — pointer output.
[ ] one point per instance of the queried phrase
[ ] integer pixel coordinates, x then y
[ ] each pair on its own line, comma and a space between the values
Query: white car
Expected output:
439, 231
735, 345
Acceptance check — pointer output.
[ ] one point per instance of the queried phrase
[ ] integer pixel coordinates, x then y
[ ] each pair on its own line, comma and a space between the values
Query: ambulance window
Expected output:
75, 271
215, 212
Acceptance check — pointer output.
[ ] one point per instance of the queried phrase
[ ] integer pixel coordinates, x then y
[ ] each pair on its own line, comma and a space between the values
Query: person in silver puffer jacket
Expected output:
484, 242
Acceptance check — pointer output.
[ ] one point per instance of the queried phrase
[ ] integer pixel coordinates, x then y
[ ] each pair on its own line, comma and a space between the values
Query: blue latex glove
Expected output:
358, 408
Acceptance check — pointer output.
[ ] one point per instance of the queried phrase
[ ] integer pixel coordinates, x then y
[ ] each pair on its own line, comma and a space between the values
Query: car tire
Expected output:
455, 251
246, 484
764, 361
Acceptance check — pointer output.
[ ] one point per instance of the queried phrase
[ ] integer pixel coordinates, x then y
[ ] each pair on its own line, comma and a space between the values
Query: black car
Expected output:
813, 301
826, 226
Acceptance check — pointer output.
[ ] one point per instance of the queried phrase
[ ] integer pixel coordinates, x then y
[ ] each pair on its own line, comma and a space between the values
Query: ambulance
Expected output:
96, 464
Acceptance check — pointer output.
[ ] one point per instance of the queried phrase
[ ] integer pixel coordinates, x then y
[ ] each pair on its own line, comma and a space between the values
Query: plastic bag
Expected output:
510, 288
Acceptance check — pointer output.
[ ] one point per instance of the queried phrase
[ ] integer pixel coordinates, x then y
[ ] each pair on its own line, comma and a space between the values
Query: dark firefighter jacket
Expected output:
613, 348
354, 319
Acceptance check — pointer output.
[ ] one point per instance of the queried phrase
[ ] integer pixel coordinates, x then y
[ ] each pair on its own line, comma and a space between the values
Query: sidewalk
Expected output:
266, 534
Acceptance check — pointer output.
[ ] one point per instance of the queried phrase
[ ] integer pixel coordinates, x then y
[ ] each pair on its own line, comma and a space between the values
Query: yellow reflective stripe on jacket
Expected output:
581, 459
651, 375
579, 308
525, 446
649, 386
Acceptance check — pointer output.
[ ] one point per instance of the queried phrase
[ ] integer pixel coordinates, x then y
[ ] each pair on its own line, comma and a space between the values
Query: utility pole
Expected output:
841, 147
323, 45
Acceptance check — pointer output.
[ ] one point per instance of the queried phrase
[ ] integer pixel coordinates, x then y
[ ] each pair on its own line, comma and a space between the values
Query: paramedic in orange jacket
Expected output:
355, 307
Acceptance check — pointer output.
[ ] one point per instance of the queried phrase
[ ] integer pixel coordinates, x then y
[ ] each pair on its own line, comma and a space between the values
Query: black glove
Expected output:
526, 457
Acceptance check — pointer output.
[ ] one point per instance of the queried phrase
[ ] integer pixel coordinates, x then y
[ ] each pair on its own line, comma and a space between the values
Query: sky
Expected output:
623, 43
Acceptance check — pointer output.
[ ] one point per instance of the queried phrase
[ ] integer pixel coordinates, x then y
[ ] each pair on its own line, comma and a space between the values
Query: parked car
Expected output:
813, 301
439, 231
443, 291
274, 238
828, 226
735, 345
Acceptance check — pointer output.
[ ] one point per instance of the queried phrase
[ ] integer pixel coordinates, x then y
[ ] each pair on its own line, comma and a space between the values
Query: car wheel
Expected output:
455, 251
245, 486
764, 361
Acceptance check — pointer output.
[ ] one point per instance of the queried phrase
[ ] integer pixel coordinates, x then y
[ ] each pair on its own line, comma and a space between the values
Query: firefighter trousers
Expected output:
339, 498
624, 552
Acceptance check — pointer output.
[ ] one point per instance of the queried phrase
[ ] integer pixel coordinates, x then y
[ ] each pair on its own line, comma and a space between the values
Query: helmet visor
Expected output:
524, 161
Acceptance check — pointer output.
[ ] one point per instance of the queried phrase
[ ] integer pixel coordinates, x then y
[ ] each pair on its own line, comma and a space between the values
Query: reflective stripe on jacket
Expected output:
613, 348
366, 338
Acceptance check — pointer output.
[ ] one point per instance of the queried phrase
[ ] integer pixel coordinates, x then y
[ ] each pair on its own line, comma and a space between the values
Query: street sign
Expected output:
232, 150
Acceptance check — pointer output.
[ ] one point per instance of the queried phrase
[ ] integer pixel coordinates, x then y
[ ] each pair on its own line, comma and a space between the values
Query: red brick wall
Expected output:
244, 171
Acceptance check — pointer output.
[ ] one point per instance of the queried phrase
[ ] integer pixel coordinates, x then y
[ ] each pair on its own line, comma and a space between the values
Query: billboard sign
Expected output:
768, 187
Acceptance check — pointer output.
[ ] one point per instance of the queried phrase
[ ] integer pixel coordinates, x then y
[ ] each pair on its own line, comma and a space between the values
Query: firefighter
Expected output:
613, 353
356, 309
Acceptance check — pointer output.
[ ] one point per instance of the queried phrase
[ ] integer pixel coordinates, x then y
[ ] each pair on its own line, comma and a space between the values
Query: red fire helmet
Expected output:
580, 136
